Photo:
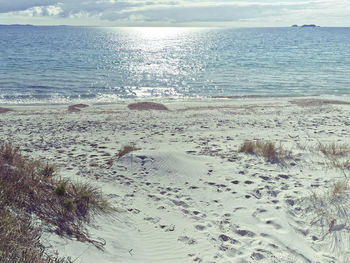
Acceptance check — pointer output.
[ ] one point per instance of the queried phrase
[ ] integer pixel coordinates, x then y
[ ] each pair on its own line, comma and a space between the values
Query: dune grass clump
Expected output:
269, 150
329, 211
76, 107
333, 149
30, 190
60, 189
147, 106
4, 110
340, 164
122, 152
339, 188
337, 155
20, 241
126, 149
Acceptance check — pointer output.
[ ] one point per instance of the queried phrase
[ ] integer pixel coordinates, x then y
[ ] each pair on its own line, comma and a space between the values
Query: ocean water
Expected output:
105, 65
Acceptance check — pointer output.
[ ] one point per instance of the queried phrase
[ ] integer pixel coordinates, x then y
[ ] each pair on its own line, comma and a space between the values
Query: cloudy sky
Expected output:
176, 12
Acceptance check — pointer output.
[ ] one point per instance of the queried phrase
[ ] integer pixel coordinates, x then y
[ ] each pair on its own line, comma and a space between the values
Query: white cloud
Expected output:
178, 11
209, 11
20, 5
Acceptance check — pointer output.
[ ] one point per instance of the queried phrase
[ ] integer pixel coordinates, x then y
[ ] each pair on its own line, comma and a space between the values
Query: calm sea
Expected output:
103, 65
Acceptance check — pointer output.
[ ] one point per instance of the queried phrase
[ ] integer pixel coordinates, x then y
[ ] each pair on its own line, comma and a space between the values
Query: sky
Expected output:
249, 13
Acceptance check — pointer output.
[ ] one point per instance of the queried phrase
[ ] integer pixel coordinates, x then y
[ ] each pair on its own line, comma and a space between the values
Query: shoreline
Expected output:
174, 100
187, 194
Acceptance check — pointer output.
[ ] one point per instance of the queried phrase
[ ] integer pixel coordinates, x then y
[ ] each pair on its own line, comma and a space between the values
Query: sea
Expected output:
62, 64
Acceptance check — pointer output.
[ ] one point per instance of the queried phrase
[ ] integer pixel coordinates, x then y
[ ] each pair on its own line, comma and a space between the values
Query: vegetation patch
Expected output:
126, 150
122, 152
317, 102
341, 164
328, 212
76, 107
4, 110
147, 106
271, 152
333, 149
31, 190
336, 153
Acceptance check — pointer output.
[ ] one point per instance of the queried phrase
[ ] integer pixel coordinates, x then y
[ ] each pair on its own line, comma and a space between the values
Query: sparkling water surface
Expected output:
103, 65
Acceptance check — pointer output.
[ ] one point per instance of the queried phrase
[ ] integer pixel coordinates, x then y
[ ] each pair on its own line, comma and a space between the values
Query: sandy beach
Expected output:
186, 194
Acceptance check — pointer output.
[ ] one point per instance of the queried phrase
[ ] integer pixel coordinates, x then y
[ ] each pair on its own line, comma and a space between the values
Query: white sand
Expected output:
188, 195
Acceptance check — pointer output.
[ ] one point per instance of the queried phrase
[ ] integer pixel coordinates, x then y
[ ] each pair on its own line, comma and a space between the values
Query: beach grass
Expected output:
30, 191
337, 155
330, 208
266, 149
147, 106
333, 149
4, 110
342, 164
126, 149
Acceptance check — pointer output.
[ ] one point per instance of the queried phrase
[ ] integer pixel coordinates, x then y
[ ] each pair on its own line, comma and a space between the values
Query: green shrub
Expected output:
48, 170
60, 189
69, 205
29, 189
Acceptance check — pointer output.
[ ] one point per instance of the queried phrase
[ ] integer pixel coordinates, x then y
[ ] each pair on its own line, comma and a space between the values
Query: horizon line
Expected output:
170, 26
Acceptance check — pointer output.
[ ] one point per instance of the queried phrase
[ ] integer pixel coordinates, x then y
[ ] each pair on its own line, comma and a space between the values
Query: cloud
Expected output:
67, 7
7, 6
206, 11
174, 11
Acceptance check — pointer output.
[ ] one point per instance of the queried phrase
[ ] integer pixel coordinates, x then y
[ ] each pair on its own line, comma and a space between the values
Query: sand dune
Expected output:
188, 194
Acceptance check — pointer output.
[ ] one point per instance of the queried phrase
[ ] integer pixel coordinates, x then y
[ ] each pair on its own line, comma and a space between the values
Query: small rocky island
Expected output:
310, 25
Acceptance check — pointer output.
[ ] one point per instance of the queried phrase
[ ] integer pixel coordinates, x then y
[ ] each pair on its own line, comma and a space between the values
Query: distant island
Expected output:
310, 25
18, 25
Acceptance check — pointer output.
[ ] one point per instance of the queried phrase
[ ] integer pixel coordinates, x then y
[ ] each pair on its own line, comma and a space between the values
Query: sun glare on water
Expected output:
156, 54
156, 49
159, 33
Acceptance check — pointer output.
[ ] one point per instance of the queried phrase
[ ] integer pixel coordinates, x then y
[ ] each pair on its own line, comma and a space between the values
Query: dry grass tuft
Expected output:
147, 106
249, 147
338, 189
337, 155
333, 149
29, 189
268, 150
4, 110
122, 152
340, 164
76, 107
20, 241
317, 102
330, 211
126, 150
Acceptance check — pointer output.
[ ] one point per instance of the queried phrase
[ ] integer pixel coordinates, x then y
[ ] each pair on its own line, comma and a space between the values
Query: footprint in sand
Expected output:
134, 210
152, 219
245, 233
228, 239
187, 240
154, 198
290, 202
257, 256
180, 203
265, 178
274, 224
256, 193
200, 227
